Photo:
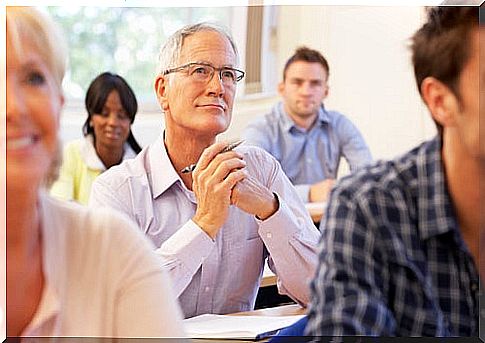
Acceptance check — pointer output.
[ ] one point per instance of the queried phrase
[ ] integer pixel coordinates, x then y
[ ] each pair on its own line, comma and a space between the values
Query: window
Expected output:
124, 40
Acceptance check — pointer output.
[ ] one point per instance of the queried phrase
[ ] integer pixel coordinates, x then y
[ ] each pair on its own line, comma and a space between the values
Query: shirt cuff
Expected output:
278, 227
190, 245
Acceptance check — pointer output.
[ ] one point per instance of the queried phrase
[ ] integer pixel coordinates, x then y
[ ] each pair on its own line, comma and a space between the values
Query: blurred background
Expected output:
371, 78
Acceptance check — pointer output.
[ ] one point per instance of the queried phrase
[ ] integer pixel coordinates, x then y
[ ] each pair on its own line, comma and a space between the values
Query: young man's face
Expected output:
304, 88
467, 120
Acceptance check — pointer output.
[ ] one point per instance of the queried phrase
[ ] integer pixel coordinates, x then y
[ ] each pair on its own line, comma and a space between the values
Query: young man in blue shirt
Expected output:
307, 139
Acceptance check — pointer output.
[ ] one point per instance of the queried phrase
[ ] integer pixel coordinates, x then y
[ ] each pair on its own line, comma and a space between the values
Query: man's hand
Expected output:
213, 180
320, 191
254, 198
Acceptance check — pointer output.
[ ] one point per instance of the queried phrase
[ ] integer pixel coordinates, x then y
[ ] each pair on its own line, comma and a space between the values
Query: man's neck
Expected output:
462, 177
184, 149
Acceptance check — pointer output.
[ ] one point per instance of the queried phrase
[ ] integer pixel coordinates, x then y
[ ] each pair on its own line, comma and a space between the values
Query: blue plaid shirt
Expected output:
392, 260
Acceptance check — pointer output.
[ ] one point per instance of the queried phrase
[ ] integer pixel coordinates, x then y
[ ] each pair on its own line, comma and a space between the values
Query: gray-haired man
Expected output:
214, 227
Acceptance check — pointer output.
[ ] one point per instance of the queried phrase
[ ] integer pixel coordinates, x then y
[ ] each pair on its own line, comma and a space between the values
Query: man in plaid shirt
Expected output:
399, 246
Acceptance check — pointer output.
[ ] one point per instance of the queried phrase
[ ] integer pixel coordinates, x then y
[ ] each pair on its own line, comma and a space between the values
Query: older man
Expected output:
214, 227
400, 247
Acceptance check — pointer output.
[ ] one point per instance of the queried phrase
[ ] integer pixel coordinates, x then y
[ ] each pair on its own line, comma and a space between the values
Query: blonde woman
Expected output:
70, 271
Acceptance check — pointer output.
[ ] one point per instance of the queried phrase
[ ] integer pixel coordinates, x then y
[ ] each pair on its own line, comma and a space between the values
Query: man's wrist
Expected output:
269, 210
210, 230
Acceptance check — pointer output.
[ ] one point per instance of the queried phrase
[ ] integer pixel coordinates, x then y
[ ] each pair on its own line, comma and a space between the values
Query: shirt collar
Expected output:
163, 174
91, 158
288, 124
435, 210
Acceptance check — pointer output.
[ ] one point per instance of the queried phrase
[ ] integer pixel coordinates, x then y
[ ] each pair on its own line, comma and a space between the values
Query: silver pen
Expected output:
228, 147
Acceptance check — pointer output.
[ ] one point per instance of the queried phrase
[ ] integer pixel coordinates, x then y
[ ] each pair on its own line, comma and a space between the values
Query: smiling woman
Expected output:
111, 106
70, 271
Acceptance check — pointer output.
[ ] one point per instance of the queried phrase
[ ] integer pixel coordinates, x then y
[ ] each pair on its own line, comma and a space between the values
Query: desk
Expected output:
316, 210
269, 278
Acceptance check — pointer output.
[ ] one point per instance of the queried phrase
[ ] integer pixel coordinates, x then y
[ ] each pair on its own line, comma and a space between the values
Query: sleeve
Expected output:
352, 144
290, 237
256, 134
303, 192
63, 187
102, 195
183, 254
145, 304
348, 291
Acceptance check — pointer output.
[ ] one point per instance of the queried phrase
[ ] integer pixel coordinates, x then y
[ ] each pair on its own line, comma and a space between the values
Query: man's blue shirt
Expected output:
309, 156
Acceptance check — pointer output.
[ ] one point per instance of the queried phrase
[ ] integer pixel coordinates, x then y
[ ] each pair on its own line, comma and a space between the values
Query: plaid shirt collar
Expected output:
436, 214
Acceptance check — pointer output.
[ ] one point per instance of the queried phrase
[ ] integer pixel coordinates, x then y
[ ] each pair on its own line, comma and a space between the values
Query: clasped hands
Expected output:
221, 180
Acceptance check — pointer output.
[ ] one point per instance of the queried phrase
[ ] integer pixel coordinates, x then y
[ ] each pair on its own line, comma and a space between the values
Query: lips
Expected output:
112, 135
219, 106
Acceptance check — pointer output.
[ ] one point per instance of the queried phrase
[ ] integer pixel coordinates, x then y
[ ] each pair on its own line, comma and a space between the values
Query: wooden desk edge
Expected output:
269, 280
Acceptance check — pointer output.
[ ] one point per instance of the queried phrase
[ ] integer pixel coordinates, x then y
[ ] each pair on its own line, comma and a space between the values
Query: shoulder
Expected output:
267, 121
339, 120
381, 186
86, 228
74, 146
129, 171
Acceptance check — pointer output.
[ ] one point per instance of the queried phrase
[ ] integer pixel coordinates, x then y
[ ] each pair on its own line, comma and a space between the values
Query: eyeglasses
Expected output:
204, 72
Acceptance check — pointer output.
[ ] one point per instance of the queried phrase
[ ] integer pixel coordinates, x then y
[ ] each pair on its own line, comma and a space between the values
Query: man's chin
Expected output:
306, 113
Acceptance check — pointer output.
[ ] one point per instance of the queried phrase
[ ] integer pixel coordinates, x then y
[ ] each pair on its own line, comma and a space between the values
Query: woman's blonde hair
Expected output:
29, 24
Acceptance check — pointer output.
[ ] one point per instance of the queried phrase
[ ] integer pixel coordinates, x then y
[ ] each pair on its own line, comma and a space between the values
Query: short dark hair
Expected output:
96, 96
306, 55
442, 46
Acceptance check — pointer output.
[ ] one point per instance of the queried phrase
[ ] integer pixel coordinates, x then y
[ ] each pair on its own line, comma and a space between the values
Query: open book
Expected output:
241, 327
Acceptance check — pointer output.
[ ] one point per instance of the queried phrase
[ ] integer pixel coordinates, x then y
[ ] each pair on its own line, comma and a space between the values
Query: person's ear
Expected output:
281, 88
161, 83
441, 101
326, 90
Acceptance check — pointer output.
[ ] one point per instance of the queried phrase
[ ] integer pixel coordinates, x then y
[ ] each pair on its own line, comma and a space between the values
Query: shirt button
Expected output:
207, 289
474, 286
309, 160
269, 235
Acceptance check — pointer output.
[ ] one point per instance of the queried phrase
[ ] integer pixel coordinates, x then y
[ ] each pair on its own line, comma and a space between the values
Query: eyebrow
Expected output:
303, 80
208, 63
35, 63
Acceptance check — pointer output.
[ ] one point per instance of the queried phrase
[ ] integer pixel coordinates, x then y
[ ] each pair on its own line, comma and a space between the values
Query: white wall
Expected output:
371, 77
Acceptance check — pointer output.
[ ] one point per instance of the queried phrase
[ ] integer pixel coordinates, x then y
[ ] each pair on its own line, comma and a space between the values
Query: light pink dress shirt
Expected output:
102, 278
221, 275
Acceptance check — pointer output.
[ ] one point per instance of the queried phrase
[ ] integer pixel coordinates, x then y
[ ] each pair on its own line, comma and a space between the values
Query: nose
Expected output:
215, 87
15, 101
113, 119
305, 88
